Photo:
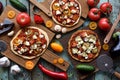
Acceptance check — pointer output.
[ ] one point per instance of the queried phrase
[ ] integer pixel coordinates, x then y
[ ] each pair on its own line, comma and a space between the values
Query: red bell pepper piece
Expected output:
38, 19
54, 75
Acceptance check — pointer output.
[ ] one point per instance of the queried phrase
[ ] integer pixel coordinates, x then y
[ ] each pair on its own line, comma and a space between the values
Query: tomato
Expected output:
94, 14
104, 24
74, 43
83, 34
90, 55
80, 57
93, 3
23, 19
106, 7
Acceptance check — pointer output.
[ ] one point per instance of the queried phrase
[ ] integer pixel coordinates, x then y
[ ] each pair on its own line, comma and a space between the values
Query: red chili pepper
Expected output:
55, 75
38, 19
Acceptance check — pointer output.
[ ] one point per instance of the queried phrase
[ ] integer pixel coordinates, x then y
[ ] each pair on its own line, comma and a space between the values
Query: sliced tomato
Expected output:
72, 0
75, 17
97, 44
65, 0
90, 55
83, 34
58, 18
43, 41
81, 49
74, 43
32, 41
80, 57
72, 7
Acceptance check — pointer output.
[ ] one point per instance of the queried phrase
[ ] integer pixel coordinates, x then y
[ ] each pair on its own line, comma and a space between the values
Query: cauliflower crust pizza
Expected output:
66, 12
84, 45
29, 43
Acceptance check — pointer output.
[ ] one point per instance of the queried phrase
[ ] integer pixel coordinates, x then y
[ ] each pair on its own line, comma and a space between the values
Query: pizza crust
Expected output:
30, 57
69, 46
61, 23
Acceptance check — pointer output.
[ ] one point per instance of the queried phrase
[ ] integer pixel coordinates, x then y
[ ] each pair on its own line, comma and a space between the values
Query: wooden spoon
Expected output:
108, 36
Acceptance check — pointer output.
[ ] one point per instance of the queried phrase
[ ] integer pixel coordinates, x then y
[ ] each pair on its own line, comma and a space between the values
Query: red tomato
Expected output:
94, 14
104, 24
74, 43
106, 7
83, 34
80, 57
93, 3
90, 55
23, 19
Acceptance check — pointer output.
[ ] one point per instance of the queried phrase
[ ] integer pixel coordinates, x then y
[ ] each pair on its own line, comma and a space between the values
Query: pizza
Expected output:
30, 42
84, 45
66, 12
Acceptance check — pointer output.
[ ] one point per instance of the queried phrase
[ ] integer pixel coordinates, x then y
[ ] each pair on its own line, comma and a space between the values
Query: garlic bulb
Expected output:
15, 69
4, 62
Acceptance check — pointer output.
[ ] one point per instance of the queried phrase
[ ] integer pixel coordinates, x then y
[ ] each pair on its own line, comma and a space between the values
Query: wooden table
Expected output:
36, 74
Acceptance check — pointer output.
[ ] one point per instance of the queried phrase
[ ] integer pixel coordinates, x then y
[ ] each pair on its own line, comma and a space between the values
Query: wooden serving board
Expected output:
46, 4
48, 55
101, 36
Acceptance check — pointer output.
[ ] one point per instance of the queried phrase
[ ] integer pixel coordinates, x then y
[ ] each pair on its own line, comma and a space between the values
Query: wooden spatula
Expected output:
108, 36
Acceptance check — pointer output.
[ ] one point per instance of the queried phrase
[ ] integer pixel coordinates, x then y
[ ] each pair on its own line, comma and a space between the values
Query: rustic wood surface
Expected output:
36, 74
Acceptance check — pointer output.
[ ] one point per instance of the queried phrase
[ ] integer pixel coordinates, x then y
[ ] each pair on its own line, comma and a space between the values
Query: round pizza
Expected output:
84, 45
29, 43
66, 12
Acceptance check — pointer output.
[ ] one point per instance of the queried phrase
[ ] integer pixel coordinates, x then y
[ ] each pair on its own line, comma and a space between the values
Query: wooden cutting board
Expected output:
101, 36
48, 55
46, 7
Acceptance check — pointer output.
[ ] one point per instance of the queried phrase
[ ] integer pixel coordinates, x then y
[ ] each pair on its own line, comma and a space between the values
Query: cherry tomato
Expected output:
23, 19
94, 14
106, 7
104, 24
93, 3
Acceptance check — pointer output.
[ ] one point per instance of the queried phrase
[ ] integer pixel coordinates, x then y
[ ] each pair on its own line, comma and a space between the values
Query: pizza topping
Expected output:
58, 12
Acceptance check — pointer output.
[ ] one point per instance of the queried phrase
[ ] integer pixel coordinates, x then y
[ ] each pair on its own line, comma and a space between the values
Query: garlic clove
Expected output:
4, 62
64, 30
58, 36
15, 69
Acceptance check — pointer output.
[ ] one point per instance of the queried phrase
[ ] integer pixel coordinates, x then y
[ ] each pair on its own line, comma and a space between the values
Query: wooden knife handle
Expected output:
108, 36
50, 56
42, 7
117, 74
